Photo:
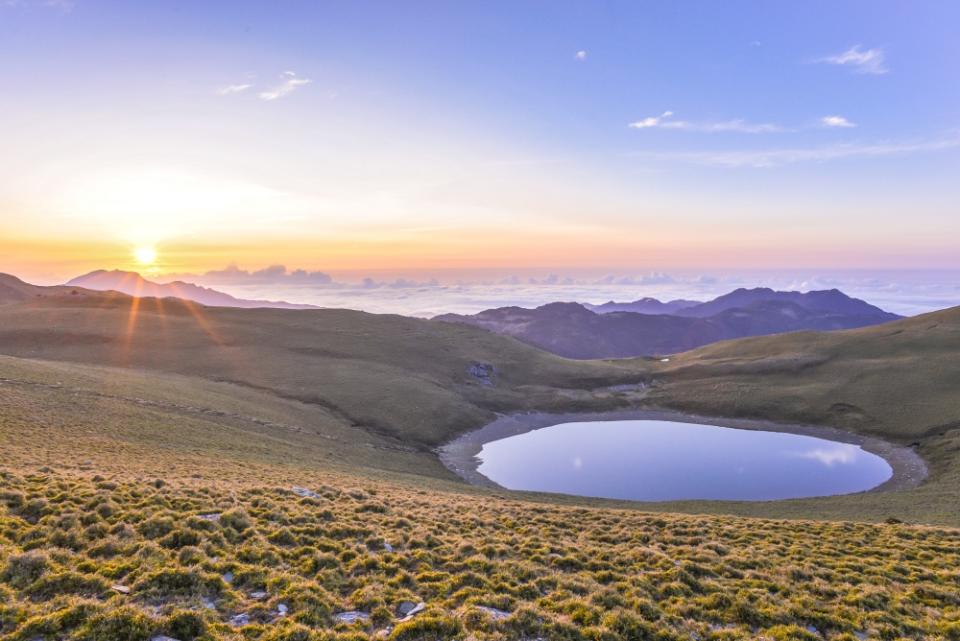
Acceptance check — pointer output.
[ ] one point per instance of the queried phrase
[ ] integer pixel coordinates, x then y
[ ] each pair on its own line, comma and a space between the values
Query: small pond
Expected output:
652, 460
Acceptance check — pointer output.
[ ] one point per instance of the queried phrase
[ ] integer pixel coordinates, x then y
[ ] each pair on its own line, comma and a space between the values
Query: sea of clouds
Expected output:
904, 292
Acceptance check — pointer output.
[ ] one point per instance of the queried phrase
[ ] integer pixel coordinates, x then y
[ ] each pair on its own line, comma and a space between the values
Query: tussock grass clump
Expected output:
24, 569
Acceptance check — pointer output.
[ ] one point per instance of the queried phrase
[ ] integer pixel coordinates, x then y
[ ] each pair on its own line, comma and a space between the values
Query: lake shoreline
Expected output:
460, 454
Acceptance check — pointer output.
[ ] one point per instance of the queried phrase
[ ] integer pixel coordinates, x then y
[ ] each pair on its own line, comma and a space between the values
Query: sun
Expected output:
145, 255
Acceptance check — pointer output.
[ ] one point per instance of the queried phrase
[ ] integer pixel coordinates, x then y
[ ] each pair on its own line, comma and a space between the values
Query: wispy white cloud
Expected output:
738, 125
229, 89
652, 121
870, 61
581, 55
761, 158
836, 121
291, 82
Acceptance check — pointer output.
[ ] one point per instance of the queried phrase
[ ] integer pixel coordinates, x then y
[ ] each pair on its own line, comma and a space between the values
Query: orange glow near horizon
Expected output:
191, 222
431, 251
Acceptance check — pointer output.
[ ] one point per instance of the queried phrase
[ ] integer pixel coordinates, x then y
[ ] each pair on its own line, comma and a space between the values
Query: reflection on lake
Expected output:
647, 460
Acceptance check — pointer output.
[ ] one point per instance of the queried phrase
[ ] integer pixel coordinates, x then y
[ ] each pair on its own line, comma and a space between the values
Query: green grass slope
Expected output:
407, 383
397, 376
154, 466
899, 381
77, 417
135, 504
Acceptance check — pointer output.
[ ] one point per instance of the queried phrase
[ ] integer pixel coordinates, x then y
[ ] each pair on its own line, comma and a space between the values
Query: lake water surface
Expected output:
651, 460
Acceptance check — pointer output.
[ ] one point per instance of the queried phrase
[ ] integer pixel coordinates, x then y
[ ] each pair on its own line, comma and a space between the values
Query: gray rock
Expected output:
208, 603
213, 518
238, 620
417, 609
351, 617
483, 372
302, 491
227, 577
122, 589
387, 547
405, 608
812, 629
282, 609
258, 595
494, 612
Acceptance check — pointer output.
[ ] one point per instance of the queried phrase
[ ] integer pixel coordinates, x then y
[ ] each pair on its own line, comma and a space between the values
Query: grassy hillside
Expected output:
411, 384
135, 505
398, 376
174, 463
898, 381
78, 417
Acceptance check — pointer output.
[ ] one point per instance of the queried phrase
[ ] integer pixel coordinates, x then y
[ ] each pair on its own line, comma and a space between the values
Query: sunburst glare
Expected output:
145, 255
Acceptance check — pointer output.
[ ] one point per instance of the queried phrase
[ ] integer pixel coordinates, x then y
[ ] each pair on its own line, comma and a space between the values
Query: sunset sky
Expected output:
422, 137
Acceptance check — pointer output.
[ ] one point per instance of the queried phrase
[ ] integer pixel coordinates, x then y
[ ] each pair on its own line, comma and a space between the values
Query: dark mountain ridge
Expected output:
643, 306
574, 331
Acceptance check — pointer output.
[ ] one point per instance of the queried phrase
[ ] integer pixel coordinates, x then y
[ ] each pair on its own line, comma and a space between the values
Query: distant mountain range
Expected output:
606, 331
643, 306
134, 284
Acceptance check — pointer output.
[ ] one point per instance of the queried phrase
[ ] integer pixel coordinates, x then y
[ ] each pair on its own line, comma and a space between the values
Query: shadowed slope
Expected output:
391, 374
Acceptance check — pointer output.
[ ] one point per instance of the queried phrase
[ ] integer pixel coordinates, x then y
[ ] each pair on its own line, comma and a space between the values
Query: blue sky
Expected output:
436, 135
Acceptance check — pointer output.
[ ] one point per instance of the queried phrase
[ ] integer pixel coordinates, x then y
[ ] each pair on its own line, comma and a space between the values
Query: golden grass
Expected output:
178, 470
67, 537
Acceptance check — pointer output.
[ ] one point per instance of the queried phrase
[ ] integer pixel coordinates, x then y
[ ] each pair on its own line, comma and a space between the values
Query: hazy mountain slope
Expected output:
642, 306
14, 290
571, 330
831, 301
134, 284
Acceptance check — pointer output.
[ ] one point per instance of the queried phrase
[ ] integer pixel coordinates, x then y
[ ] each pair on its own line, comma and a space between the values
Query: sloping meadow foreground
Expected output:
121, 519
116, 557
195, 473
